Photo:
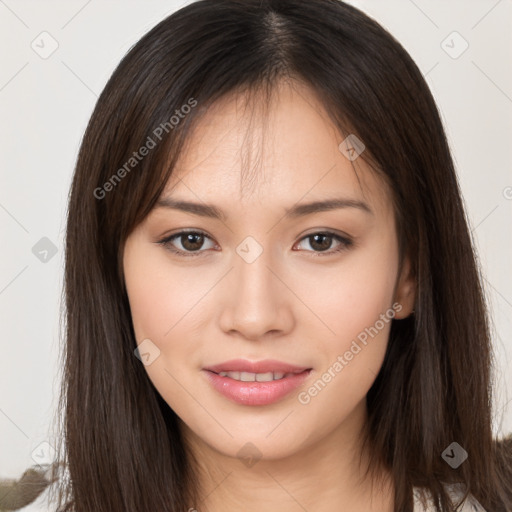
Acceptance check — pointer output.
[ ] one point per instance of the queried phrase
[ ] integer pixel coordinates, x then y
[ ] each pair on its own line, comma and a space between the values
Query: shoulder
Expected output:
423, 501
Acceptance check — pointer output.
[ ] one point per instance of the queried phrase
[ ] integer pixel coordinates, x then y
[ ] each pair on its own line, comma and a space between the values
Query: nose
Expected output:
256, 301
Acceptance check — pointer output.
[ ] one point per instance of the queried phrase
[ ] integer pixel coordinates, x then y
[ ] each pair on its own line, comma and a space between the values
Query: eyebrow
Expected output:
298, 210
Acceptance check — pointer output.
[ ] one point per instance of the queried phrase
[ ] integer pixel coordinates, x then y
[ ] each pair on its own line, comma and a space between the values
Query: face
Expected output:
267, 279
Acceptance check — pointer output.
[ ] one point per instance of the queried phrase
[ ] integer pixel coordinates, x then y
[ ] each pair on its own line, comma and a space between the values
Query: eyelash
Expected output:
345, 243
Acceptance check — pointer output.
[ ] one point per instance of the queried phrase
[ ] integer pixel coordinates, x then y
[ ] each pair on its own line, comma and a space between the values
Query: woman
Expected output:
272, 297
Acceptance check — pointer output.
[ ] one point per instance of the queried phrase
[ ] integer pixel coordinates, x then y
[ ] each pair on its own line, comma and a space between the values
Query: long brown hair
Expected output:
123, 448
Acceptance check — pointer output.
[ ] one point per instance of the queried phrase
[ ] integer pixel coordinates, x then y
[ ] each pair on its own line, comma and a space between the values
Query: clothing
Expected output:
456, 492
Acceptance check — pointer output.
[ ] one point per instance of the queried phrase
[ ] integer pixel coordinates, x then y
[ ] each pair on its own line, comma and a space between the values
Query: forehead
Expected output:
283, 150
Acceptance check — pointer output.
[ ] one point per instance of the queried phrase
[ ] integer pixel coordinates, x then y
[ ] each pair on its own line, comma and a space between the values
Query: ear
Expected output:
405, 291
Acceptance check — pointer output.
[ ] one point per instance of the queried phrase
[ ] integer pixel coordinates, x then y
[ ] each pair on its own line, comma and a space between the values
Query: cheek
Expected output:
163, 295
354, 303
169, 304
358, 308
157, 301
352, 296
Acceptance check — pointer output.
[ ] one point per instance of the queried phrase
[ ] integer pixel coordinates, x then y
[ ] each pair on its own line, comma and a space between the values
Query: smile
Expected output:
247, 388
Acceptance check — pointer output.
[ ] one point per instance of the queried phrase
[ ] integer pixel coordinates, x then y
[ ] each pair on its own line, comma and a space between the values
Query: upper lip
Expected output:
264, 366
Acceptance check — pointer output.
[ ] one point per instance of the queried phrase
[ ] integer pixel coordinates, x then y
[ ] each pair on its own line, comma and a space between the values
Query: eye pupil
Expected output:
324, 245
192, 237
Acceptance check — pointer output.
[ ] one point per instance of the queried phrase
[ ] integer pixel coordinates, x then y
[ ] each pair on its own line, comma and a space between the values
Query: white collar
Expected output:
455, 491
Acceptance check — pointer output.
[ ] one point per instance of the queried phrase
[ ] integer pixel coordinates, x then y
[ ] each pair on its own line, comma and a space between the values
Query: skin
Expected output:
289, 304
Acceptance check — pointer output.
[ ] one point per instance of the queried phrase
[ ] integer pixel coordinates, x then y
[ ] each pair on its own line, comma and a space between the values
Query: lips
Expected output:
254, 392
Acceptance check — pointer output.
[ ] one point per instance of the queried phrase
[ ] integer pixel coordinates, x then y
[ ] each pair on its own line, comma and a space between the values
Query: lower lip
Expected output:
256, 393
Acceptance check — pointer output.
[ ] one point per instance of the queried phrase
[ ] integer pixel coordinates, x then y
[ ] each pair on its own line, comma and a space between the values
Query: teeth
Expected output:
265, 377
253, 377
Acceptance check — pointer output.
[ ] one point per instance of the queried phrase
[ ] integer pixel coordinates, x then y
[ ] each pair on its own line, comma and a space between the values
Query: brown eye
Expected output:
192, 241
189, 243
321, 242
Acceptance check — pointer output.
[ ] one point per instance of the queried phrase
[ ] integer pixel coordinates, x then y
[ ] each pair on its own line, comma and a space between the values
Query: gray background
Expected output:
45, 103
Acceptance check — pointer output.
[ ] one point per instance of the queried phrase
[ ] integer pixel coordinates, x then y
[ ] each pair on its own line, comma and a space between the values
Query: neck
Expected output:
325, 476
